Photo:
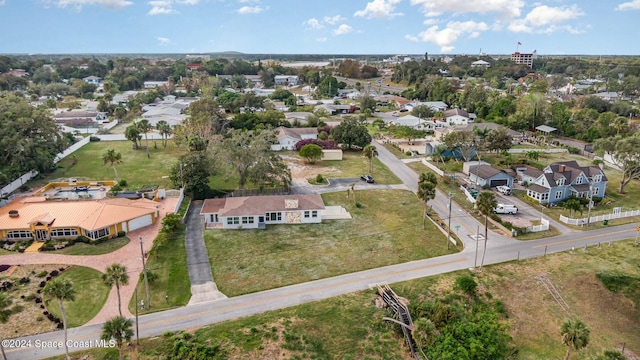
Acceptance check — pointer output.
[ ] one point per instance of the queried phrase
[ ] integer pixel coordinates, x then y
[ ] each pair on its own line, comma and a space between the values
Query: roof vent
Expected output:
14, 213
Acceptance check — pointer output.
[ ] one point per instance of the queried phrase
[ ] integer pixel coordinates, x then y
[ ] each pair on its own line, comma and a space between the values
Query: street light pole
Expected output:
144, 268
449, 226
475, 261
135, 301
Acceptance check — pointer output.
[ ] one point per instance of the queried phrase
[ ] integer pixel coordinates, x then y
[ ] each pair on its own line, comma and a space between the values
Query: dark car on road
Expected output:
367, 178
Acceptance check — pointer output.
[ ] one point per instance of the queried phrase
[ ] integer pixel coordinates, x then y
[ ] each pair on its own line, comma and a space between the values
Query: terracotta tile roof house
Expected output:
288, 137
255, 212
35, 218
563, 180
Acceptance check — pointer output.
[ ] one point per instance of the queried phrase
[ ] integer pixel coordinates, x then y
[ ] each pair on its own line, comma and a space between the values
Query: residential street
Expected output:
500, 249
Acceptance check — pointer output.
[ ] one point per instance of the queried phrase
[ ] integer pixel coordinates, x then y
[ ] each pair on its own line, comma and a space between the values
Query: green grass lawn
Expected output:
291, 254
351, 327
136, 168
98, 249
353, 165
6, 252
168, 260
91, 294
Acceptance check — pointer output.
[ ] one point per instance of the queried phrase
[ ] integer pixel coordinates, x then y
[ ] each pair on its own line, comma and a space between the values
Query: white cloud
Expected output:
188, 2
161, 7
379, 9
250, 10
2, 2
342, 30
545, 19
111, 4
431, 21
314, 23
332, 20
445, 38
506, 9
163, 41
631, 5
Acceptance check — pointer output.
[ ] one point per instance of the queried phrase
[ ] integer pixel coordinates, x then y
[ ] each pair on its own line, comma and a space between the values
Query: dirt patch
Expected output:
302, 171
30, 320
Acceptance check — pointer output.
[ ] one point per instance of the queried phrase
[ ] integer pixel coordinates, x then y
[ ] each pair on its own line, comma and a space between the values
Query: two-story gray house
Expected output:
563, 180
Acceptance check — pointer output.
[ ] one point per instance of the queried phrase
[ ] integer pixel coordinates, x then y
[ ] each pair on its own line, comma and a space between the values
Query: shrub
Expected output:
24, 280
122, 183
170, 223
359, 204
467, 284
319, 179
121, 233
94, 138
24, 188
54, 273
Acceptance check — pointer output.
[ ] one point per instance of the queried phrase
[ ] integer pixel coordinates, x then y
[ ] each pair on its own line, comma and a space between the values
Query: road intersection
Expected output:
500, 249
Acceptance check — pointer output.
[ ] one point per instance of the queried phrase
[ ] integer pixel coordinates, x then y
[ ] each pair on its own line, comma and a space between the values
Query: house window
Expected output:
233, 220
579, 180
597, 178
19, 235
97, 234
558, 195
595, 191
561, 181
314, 213
214, 218
274, 216
307, 214
64, 232
544, 197
247, 219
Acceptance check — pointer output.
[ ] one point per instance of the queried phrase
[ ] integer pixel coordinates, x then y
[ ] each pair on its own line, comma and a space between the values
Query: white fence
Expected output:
615, 215
110, 125
71, 149
15, 184
544, 225
468, 195
432, 167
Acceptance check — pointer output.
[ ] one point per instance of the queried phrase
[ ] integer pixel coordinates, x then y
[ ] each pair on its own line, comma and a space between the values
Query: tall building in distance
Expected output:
520, 58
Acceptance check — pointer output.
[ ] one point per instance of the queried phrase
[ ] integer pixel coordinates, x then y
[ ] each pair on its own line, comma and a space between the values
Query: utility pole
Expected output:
449, 226
475, 261
144, 268
589, 205
135, 301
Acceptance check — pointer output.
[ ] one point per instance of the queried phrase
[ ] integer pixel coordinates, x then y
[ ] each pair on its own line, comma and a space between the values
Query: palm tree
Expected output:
370, 152
118, 329
4, 316
486, 203
426, 192
113, 157
144, 126
61, 290
116, 274
132, 133
574, 334
428, 177
165, 130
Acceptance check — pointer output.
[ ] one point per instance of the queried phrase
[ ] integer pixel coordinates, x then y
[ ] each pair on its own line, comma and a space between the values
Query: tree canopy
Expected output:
30, 138
351, 132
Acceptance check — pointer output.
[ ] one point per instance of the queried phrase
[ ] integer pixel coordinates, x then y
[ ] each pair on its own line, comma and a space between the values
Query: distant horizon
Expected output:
358, 27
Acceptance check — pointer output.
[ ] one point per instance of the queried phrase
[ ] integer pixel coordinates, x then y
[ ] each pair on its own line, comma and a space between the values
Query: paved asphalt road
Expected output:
500, 249
197, 257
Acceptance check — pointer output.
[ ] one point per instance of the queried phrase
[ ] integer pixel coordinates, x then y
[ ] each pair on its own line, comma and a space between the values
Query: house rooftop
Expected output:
259, 205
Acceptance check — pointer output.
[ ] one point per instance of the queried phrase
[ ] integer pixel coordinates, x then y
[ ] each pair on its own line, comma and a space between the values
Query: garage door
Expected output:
139, 222
495, 183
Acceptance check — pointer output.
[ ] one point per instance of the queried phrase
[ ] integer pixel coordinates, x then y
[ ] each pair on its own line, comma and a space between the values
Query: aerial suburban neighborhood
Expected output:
425, 203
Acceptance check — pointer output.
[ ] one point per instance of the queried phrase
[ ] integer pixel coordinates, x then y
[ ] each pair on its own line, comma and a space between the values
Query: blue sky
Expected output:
598, 27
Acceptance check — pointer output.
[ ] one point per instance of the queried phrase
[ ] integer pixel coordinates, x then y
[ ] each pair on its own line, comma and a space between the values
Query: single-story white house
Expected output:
255, 212
288, 137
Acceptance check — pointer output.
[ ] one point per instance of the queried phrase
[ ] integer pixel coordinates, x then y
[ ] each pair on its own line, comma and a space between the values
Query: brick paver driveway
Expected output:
128, 255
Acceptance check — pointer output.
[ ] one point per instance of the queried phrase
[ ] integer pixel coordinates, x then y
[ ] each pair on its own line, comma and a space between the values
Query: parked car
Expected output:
395, 113
367, 178
404, 110
504, 189
505, 209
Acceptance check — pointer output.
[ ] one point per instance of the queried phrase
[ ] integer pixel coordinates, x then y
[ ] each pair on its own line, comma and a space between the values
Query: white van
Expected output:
505, 209
504, 189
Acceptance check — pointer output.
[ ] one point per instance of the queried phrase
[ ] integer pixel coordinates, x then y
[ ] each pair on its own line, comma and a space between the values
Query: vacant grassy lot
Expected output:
168, 260
91, 294
136, 168
386, 230
351, 327
99, 249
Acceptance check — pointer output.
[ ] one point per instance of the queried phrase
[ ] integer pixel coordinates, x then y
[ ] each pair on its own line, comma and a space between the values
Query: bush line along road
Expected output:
500, 249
